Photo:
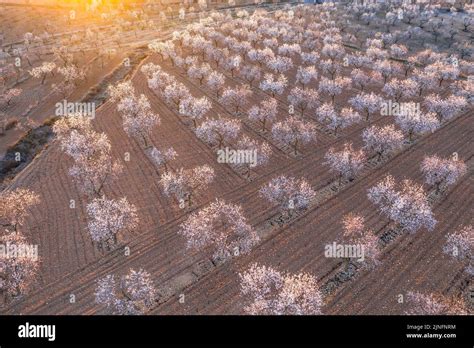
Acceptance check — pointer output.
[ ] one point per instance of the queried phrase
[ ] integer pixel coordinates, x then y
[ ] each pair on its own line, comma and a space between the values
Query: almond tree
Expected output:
14, 207
177, 60
108, 218
221, 225
309, 58
159, 82
161, 158
464, 89
293, 132
425, 81
421, 304
382, 140
186, 183
240, 47
122, 90
376, 78
333, 87
42, 71
264, 113
398, 51
18, 271
273, 293
442, 71
445, 108
355, 233
279, 64
347, 163
250, 73
417, 123
199, 72
262, 151
150, 69
304, 75
236, 98
358, 60
460, 245
288, 193
360, 79
218, 131
440, 172
194, 108
137, 117
164, 49
353, 225
303, 99
289, 50
91, 151
398, 89
8, 95
260, 56
272, 85
387, 68
175, 93
334, 121
134, 295
330, 68
425, 57
271, 43
333, 51
215, 82
71, 74
366, 103
424, 304
408, 207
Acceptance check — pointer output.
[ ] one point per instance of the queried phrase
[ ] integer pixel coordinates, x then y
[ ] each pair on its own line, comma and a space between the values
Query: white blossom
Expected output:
109, 217
186, 183
273, 293
439, 171
272, 85
218, 131
417, 123
18, 272
347, 162
288, 193
221, 225
460, 245
134, 295
293, 132
304, 75
264, 113
194, 108
366, 103
14, 206
303, 99
236, 98
382, 140
408, 207
215, 82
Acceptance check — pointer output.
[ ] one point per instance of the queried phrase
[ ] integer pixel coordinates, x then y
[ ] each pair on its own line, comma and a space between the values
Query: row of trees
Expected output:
366, 103
222, 226
409, 206
18, 271
93, 168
